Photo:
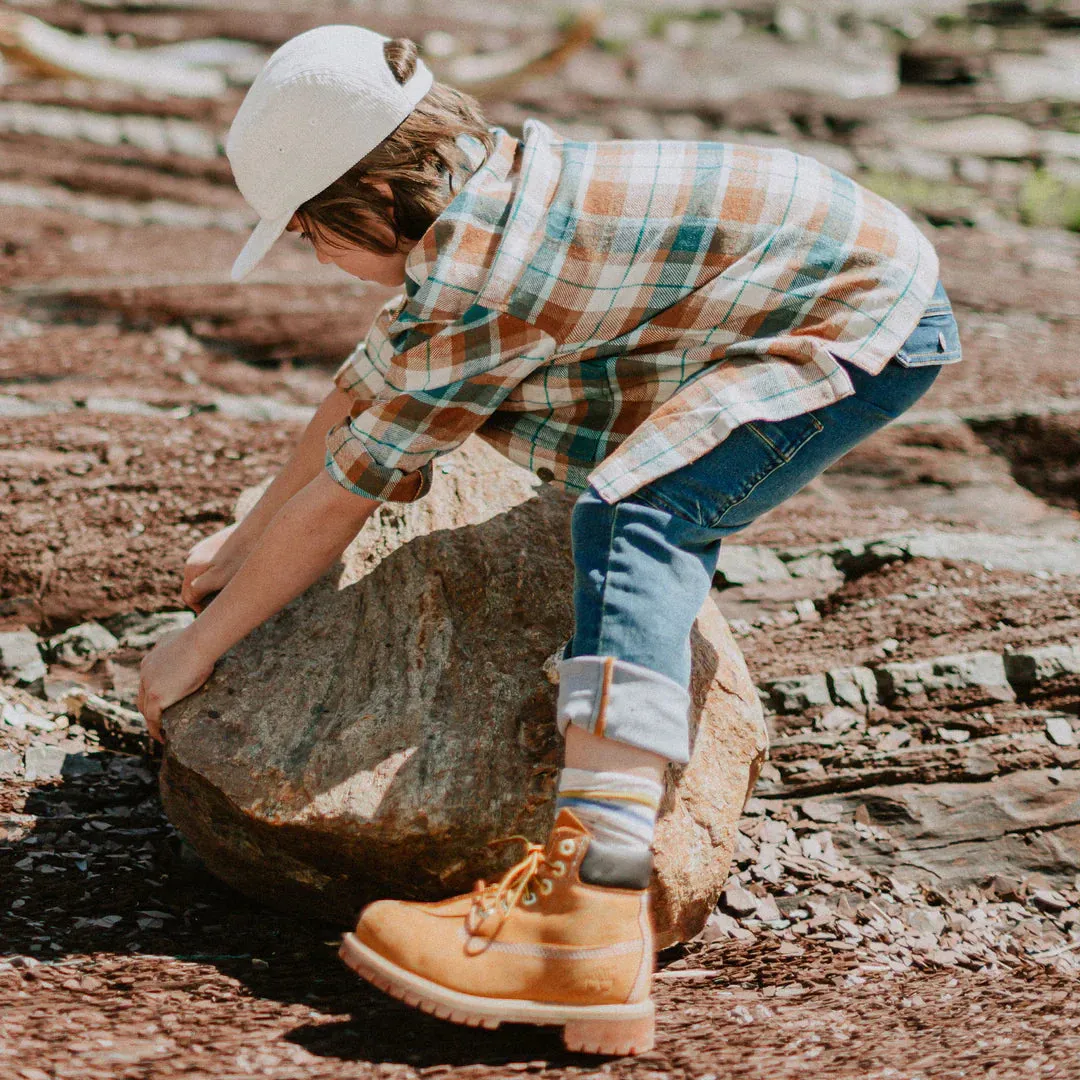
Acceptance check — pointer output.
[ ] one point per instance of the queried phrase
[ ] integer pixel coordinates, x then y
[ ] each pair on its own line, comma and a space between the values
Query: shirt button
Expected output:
546, 475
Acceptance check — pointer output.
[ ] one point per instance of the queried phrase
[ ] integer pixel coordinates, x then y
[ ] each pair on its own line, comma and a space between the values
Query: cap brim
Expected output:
259, 243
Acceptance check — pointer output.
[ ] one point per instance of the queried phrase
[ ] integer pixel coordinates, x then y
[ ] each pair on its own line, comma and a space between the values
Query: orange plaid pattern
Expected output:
606, 312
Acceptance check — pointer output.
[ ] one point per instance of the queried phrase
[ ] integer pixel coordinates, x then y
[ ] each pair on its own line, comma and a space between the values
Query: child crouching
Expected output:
683, 334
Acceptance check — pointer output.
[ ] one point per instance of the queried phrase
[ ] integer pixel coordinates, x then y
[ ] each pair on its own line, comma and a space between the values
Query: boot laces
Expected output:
501, 898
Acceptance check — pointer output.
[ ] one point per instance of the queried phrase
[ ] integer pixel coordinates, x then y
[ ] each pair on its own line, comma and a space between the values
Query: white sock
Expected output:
618, 809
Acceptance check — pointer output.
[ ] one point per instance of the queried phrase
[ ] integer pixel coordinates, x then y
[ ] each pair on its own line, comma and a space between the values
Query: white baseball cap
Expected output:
324, 99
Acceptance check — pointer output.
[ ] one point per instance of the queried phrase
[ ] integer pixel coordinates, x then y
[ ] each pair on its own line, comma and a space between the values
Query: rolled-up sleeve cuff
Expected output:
349, 463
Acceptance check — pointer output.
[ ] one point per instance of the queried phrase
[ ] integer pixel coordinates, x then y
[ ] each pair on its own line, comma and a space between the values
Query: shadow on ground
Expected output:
102, 885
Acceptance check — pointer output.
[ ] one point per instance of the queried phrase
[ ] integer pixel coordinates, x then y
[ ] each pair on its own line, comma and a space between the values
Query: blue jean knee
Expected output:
644, 565
640, 576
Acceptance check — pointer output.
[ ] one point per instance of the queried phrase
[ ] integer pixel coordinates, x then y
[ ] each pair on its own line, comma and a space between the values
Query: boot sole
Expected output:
614, 1030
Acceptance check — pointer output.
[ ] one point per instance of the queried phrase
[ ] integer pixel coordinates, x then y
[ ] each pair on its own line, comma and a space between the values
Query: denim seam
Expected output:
600, 723
658, 502
921, 360
878, 409
718, 521
785, 458
927, 358
603, 604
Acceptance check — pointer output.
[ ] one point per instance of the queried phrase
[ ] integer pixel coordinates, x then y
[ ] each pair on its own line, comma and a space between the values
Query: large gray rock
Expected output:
373, 738
741, 565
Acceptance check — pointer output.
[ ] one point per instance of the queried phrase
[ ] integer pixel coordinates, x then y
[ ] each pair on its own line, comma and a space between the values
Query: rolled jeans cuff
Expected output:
625, 702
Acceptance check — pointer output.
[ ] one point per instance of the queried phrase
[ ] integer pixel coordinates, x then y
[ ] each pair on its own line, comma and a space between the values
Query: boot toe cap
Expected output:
408, 935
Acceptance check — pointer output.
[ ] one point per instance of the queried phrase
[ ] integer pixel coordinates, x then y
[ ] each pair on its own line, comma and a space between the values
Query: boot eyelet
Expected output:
567, 847
557, 868
529, 899
546, 886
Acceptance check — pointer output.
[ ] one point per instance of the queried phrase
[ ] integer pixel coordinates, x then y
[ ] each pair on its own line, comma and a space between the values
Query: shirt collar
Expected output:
479, 168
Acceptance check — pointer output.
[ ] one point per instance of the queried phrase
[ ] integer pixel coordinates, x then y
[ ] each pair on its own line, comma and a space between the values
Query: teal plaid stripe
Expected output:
606, 312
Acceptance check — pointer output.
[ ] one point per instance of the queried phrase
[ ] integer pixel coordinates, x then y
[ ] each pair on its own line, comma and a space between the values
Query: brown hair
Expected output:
417, 160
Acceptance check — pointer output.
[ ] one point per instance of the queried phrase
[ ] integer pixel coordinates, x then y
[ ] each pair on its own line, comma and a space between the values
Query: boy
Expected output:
683, 333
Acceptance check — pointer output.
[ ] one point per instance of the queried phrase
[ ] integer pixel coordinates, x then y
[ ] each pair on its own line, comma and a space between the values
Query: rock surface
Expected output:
1024, 823
126, 361
143, 631
980, 677
82, 645
20, 656
373, 738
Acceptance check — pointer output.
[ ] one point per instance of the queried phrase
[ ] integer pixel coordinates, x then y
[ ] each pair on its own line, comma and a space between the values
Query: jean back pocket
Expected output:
936, 338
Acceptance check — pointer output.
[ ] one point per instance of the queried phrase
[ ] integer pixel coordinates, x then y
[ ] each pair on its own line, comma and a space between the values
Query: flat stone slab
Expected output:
1018, 824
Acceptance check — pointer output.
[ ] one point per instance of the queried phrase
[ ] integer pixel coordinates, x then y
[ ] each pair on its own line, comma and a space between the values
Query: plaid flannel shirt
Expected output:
606, 312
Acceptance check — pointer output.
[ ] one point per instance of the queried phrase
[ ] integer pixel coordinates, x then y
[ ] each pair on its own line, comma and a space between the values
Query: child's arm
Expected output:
448, 379
214, 560
296, 548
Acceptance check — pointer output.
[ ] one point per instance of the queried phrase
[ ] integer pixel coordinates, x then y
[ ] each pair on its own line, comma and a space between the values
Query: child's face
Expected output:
357, 261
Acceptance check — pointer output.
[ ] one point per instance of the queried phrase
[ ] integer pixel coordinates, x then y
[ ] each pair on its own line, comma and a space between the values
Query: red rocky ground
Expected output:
910, 899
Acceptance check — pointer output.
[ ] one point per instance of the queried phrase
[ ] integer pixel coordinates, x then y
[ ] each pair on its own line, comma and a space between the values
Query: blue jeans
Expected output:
644, 565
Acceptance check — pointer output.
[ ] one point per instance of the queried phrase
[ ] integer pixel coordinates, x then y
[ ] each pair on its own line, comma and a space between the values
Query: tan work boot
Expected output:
552, 943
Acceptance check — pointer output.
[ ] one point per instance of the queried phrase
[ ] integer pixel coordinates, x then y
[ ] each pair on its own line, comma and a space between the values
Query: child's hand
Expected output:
208, 569
171, 670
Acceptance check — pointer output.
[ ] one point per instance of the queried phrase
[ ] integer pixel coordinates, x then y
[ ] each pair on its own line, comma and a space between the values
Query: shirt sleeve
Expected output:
359, 376
440, 382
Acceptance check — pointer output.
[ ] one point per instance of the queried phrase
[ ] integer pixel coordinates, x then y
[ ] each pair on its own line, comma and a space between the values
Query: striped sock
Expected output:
618, 809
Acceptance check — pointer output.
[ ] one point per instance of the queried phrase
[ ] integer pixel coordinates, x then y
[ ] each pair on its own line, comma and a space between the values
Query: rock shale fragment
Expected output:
974, 678
20, 656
